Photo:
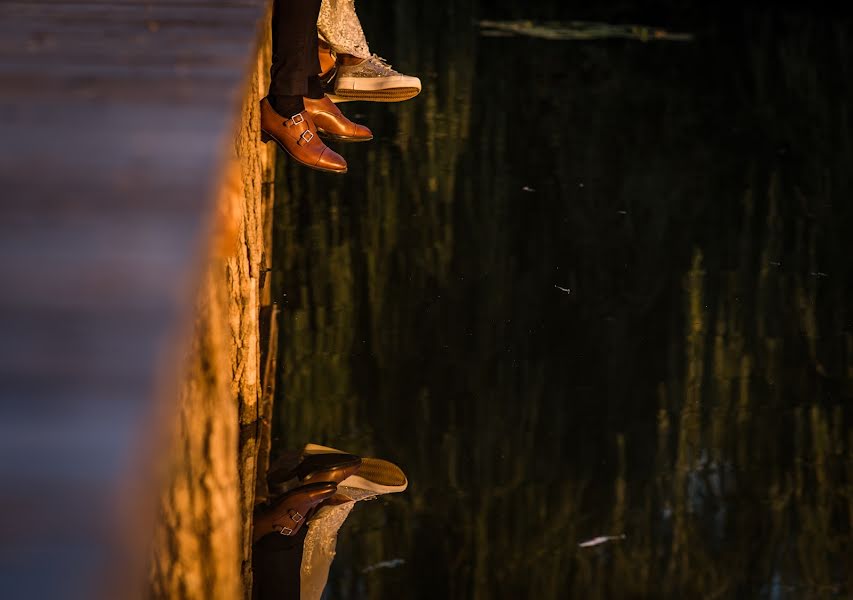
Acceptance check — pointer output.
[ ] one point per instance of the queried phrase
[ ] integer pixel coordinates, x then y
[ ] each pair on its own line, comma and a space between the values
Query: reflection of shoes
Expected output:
297, 135
373, 79
333, 468
331, 122
376, 476
289, 511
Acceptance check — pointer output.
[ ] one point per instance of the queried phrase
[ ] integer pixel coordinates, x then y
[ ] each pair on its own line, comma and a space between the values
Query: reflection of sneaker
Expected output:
374, 80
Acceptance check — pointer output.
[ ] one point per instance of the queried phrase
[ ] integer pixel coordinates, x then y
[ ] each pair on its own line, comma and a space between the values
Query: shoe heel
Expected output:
265, 137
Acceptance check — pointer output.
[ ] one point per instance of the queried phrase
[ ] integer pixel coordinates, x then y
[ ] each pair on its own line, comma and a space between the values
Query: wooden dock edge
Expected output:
221, 441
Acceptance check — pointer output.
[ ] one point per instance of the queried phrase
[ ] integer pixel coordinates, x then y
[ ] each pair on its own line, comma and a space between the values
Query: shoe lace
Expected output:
383, 63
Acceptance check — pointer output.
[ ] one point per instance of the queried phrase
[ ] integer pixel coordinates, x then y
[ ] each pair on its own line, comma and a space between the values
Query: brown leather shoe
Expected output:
332, 124
288, 513
332, 468
297, 135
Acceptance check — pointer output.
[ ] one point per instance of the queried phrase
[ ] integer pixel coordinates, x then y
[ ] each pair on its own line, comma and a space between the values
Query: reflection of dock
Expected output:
116, 119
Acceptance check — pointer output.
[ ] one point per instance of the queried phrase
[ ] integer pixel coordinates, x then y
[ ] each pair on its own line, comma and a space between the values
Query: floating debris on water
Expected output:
562, 289
527, 188
602, 539
385, 564
579, 30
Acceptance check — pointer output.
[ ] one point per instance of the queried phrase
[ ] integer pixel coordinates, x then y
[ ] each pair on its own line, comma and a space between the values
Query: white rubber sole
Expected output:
373, 84
376, 89
318, 449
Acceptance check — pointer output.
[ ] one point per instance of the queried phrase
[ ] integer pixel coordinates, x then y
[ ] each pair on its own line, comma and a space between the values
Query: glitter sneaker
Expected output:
373, 80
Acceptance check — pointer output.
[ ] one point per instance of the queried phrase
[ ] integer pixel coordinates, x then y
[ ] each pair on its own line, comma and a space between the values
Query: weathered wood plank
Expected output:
116, 117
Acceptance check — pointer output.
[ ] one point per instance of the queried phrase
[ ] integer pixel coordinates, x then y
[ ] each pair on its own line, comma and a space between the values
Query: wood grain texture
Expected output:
203, 547
117, 121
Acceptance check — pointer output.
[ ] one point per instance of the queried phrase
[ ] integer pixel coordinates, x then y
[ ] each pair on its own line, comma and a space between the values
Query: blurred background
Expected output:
581, 288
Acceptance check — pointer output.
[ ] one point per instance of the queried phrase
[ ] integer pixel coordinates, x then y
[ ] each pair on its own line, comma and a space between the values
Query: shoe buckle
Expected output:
306, 136
285, 530
294, 514
297, 119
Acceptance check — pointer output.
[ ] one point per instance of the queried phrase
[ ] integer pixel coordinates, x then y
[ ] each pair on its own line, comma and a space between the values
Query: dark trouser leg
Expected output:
295, 56
276, 561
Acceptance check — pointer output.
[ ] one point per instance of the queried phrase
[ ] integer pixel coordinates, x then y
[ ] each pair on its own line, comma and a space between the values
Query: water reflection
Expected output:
690, 390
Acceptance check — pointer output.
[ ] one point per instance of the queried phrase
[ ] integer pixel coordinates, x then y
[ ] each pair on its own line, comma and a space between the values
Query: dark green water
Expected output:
691, 391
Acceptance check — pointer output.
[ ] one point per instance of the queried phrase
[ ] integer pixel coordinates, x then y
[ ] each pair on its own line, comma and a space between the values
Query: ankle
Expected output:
287, 106
315, 88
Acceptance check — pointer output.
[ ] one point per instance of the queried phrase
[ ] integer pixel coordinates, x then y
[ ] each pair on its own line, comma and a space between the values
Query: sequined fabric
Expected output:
318, 550
356, 494
339, 26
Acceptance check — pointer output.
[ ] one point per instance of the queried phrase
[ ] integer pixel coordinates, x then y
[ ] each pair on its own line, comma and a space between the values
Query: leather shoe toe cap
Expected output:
362, 132
332, 161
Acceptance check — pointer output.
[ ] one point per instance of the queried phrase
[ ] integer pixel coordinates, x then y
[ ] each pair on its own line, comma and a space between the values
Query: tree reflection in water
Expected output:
692, 389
